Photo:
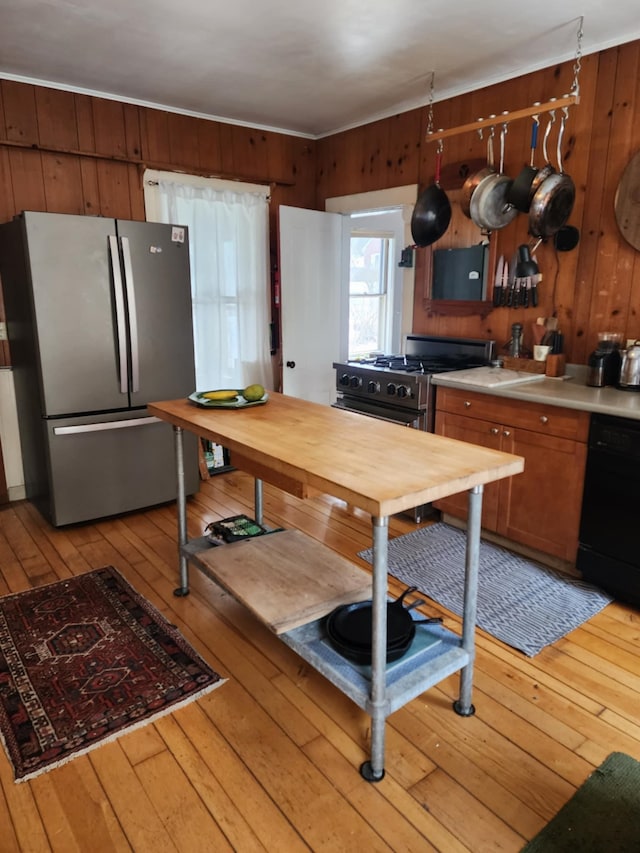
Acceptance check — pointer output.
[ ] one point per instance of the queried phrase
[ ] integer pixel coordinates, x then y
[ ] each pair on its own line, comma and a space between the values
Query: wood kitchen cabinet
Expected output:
539, 508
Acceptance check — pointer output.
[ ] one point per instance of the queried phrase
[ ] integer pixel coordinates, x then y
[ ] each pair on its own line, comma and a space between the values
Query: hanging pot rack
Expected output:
506, 117
503, 118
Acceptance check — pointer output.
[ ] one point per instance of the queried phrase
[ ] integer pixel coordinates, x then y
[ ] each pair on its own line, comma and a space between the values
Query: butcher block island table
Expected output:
291, 582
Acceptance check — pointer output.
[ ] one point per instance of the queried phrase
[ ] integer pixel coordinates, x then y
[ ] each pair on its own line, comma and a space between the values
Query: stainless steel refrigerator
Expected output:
99, 324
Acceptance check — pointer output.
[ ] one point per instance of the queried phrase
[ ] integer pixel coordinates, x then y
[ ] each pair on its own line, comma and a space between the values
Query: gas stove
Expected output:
401, 383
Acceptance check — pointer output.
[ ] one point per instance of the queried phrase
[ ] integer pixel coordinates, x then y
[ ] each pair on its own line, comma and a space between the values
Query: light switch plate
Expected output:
3, 331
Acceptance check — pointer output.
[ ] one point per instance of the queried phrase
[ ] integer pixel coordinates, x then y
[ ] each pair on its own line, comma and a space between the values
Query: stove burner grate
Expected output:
427, 364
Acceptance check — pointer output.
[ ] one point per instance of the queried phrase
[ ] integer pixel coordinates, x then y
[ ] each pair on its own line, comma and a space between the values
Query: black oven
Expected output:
609, 550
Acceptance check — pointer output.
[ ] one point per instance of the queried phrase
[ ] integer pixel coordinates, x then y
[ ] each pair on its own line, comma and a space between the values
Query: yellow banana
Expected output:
220, 395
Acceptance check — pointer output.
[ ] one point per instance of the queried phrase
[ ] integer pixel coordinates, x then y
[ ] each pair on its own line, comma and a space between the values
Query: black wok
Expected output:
432, 213
350, 627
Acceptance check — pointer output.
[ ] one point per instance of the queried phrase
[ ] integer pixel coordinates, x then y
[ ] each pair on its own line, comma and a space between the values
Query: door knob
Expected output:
291, 364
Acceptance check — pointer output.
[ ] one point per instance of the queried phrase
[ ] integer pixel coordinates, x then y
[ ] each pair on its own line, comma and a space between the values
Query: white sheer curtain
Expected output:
229, 251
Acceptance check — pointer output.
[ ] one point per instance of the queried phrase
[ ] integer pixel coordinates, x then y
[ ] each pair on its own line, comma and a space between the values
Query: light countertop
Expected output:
571, 392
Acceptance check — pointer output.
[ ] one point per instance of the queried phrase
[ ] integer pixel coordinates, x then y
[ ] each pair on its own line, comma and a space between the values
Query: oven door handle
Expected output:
389, 420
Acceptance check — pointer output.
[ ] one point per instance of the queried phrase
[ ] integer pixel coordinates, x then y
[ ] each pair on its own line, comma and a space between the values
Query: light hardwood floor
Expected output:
269, 761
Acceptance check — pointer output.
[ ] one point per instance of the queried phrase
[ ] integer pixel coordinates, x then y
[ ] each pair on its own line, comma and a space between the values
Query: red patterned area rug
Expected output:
83, 661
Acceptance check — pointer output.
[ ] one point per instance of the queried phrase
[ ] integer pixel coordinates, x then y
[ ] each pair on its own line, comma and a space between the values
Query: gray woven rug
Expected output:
520, 602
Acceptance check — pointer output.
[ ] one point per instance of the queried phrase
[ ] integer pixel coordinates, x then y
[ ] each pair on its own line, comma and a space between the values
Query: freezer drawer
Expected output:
112, 464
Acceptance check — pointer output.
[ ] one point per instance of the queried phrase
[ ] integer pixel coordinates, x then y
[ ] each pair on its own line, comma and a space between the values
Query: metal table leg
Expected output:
183, 589
373, 770
463, 705
258, 500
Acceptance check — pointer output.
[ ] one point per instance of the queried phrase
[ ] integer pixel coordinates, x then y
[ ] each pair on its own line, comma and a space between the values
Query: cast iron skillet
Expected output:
349, 628
519, 194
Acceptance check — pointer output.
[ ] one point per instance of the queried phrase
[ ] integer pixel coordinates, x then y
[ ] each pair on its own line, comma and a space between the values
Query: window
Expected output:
383, 214
369, 280
229, 253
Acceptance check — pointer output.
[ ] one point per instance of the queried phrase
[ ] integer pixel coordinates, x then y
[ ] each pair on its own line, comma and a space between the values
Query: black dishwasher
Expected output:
609, 550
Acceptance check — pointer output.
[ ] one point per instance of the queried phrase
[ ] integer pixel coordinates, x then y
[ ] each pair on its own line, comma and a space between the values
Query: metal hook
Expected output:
430, 112
578, 61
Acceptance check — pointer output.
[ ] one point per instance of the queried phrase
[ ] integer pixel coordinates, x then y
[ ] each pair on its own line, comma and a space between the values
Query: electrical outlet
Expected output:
3, 331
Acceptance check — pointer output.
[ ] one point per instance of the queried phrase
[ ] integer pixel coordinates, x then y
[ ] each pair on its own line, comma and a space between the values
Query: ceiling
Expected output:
308, 67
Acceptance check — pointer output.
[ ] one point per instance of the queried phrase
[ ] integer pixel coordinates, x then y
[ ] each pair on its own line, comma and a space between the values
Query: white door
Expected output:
314, 279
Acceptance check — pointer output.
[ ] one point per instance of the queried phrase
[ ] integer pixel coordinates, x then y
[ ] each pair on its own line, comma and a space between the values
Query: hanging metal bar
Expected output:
508, 117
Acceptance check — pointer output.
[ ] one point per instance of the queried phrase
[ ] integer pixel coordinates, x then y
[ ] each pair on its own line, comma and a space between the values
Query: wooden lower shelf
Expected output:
291, 582
285, 578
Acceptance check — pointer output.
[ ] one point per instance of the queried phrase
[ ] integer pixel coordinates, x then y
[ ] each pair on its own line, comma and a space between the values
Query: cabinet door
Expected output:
541, 507
486, 434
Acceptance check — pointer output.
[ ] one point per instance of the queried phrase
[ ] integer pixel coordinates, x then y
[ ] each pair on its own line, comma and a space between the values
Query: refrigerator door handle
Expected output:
133, 318
107, 425
120, 315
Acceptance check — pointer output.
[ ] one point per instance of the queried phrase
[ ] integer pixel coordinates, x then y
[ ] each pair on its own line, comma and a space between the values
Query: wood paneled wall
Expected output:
593, 288
65, 152
68, 153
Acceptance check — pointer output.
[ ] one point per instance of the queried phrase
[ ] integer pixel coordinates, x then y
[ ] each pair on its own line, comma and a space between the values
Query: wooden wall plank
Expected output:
56, 112
136, 198
133, 142
113, 186
89, 182
3, 126
154, 132
62, 183
109, 125
183, 140
26, 179
20, 112
210, 156
7, 203
281, 158
84, 119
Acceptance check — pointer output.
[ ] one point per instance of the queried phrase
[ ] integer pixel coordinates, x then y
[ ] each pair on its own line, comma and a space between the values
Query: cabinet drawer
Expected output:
538, 417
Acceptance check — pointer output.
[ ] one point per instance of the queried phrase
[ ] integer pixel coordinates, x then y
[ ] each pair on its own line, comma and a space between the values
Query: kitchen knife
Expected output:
526, 292
497, 285
505, 283
534, 289
517, 292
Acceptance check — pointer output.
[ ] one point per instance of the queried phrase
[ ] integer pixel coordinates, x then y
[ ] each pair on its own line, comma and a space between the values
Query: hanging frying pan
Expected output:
473, 181
490, 209
520, 190
432, 213
349, 628
547, 170
553, 201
